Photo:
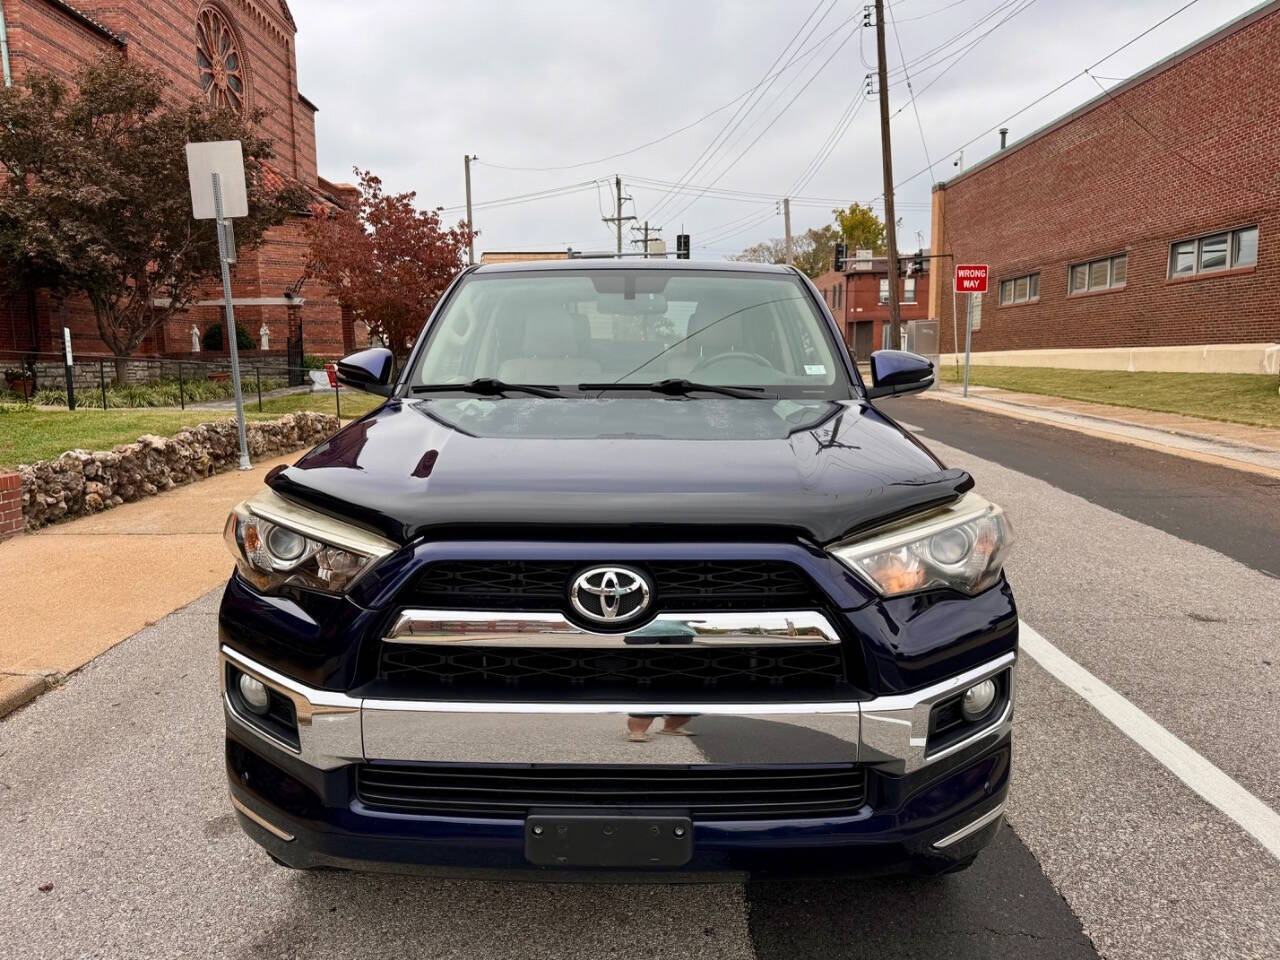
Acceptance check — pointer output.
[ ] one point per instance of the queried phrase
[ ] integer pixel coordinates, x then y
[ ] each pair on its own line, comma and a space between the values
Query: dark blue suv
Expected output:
627, 577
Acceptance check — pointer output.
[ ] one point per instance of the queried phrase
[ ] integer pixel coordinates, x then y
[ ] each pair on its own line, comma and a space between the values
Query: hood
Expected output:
817, 469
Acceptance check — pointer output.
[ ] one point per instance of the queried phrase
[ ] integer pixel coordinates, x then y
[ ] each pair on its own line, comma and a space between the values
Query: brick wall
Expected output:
1188, 150
43, 37
160, 34
11, 520
860, 302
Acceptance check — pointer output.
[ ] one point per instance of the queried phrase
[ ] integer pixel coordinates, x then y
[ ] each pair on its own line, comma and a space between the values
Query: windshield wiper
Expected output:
485, 387
679, 387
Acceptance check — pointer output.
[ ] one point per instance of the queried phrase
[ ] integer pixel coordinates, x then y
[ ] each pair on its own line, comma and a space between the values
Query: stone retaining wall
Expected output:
88, 374
80, 483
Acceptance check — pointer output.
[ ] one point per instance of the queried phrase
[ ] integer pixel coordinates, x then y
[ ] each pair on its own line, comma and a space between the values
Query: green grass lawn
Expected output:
28, 435
1234, 397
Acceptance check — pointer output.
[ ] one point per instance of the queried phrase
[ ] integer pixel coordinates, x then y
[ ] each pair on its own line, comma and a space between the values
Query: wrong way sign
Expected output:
971, 278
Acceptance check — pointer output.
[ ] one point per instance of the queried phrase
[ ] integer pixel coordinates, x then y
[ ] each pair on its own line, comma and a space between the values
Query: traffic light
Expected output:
842, 254
682, 246
917, 265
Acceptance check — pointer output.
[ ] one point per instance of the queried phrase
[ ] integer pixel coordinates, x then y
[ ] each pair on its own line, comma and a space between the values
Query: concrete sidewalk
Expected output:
74, 590
1255, 449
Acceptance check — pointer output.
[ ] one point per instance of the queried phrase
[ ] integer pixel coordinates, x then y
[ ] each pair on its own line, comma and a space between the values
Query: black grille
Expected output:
444, 670
695, 585
707, 792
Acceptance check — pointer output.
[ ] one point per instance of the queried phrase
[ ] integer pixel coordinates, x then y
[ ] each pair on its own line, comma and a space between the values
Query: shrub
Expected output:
211, 339
163, 393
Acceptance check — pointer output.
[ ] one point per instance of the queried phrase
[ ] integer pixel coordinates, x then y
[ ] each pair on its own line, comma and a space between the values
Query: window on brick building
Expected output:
909, 290
219, 60
1217, 251
884, 289
1102, 274
1020, 289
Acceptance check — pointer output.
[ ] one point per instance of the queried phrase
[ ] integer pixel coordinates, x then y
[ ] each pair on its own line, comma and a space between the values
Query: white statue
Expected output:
263, 334
195, 339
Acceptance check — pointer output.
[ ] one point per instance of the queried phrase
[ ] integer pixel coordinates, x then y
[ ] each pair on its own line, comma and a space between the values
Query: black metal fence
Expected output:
97, 379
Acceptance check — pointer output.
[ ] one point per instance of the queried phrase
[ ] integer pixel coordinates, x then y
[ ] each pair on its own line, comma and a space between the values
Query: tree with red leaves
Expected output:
386, 260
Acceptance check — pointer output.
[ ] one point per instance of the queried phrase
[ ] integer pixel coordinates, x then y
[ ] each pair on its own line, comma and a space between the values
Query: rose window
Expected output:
218, 57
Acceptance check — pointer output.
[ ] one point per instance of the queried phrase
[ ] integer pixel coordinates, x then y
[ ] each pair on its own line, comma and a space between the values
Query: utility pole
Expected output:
471, 229
890, 225
619, 219
786, 219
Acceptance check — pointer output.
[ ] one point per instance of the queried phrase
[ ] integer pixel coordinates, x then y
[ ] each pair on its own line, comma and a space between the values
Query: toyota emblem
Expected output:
613, 595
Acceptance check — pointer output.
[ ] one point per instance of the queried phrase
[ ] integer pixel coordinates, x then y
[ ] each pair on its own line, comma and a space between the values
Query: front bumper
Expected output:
933, 805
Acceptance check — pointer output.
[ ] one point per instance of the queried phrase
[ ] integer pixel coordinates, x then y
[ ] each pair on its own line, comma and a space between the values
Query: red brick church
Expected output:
240, 54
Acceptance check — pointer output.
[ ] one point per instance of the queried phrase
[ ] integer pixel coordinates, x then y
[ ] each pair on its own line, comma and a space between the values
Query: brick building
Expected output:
1137, 229
238, 53
858, 297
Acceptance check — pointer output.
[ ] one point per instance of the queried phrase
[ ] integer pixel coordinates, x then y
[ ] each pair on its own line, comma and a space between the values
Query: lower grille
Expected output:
444, 670
707, 792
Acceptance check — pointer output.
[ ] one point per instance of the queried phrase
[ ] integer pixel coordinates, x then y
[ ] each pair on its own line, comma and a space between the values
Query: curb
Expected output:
1113, 429
17, 690
1113, 421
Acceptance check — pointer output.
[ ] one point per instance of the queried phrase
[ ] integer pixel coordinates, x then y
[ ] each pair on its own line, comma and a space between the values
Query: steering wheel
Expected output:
731, 355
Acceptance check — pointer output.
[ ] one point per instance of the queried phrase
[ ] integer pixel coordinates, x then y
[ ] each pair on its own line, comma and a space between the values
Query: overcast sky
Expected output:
407, 88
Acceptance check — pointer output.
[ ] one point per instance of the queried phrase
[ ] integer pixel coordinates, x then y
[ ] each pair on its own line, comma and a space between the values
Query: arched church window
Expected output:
220, 61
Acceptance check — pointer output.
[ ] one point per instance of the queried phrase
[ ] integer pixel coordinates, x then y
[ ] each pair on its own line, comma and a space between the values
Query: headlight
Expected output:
962, 547
278, 543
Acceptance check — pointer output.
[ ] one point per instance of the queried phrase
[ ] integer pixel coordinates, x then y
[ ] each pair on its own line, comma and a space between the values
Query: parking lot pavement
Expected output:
112, 788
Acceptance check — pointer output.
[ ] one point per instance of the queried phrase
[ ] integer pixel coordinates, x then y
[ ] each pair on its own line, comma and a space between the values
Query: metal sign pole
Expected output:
968, 333
955, 327
69, 369
224, 257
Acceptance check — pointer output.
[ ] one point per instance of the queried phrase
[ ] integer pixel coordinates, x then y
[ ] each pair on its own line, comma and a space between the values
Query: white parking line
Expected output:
1254, 817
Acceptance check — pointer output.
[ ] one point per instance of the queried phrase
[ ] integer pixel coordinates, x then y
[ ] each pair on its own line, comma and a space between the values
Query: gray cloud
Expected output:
406, 88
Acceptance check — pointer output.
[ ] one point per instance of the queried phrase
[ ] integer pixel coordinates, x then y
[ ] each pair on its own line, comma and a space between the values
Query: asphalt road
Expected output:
1142, 569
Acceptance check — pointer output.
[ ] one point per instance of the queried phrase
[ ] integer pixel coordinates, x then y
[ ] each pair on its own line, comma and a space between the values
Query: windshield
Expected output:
564, 328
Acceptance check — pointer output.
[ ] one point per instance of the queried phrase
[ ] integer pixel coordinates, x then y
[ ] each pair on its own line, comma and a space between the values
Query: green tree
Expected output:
861, 229
813, 251
95, 199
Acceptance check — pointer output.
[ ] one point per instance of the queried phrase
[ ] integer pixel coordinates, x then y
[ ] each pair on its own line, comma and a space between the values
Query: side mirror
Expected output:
897, 371
368, 370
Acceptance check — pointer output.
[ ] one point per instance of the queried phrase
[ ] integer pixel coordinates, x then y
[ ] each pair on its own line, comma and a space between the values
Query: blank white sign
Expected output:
226, 159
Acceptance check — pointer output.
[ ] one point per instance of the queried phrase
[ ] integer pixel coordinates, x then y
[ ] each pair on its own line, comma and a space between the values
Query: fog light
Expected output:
978, 699
255, 694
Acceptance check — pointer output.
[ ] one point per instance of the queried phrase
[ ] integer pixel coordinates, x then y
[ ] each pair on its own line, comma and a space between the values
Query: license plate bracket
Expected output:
608, 840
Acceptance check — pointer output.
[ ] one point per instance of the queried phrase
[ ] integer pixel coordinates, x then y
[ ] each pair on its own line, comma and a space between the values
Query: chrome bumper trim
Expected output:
261, 821
968, 829
499, 628
329, 732
888, 732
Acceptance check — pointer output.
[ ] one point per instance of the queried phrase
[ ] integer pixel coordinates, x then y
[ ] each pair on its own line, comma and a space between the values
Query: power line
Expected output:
970, 28
925, 16
765, 110
635, 180
716, 143
842, 125
1045, 96
776, 118
678, 130
903, 57
524, 197
1217, 175
962, 53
